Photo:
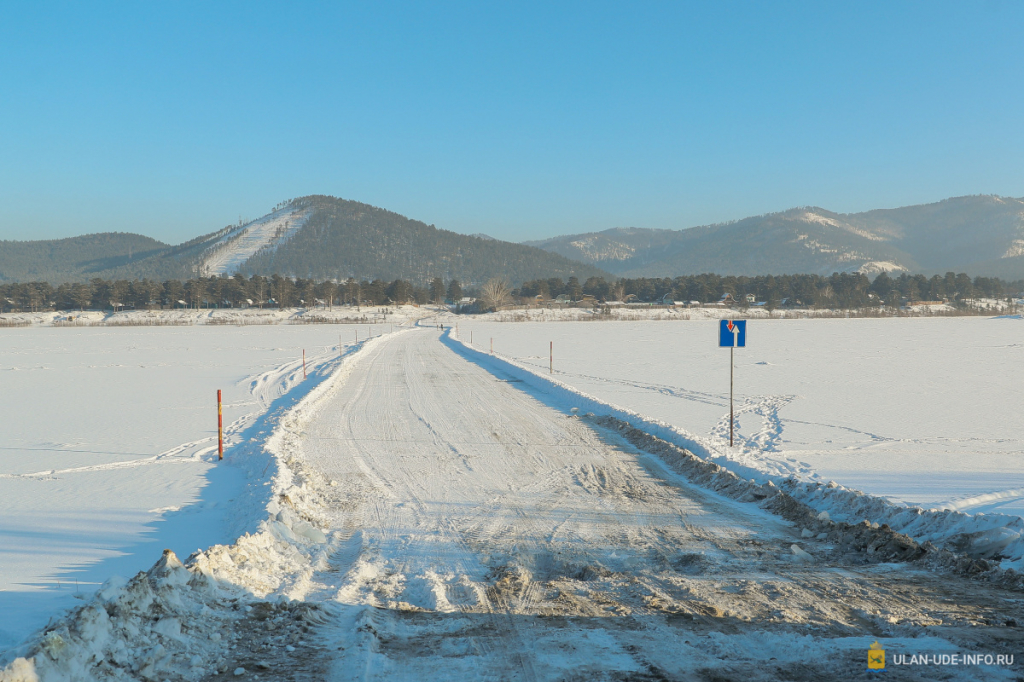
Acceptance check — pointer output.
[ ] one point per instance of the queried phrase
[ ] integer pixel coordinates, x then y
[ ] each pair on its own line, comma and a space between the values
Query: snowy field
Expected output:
109, 444
417, 508
921, 411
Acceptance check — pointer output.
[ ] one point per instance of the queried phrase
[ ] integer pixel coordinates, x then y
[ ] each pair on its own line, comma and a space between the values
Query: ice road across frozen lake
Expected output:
438, 512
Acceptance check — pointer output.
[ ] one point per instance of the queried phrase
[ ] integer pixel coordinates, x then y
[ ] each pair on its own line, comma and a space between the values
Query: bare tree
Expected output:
496, 292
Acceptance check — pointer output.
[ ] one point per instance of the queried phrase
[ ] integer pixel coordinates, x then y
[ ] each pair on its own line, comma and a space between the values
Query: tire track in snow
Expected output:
592, 556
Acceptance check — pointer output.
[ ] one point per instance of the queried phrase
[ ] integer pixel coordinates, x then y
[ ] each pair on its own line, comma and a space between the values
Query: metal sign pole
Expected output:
732, 334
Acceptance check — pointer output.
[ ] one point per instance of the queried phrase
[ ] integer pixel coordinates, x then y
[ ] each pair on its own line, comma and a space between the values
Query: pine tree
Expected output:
454, 291
437, 290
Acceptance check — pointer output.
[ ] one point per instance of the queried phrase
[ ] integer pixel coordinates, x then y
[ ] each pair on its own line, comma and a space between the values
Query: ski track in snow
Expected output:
172, 456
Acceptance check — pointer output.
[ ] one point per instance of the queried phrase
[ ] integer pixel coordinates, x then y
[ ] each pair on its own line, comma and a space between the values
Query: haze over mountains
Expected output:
325, 237
979, 235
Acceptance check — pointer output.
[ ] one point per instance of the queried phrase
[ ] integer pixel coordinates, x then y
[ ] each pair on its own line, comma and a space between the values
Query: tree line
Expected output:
222, 292
840, 290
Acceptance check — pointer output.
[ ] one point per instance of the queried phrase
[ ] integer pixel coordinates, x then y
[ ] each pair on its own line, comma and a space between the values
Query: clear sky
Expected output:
521, 120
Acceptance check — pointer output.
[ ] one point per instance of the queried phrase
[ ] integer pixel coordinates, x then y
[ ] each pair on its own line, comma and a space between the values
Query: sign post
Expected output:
732, 334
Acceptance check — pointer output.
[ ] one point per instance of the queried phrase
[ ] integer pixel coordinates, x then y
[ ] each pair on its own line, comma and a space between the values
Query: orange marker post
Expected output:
220, 427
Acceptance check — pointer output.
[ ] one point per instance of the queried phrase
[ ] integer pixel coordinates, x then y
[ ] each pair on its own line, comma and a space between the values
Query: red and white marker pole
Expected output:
220, 427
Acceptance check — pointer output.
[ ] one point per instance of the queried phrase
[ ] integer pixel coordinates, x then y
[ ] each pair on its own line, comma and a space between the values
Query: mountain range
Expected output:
979, 235
325, 237
318, 237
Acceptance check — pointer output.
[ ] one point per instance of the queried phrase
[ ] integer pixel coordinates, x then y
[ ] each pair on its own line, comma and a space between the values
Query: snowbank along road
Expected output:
487, 535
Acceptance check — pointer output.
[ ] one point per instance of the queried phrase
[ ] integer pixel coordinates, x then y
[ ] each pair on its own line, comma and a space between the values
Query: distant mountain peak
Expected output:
339, 238
980, 234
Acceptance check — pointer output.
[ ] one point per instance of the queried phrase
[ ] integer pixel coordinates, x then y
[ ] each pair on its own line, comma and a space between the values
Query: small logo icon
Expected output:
876, 657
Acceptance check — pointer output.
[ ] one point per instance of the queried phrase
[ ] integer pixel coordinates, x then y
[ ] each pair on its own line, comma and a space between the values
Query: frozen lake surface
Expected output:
109, 446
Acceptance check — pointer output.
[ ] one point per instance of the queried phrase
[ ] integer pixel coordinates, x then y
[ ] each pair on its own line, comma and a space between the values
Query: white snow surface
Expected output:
423, 521
237, 246
109, 447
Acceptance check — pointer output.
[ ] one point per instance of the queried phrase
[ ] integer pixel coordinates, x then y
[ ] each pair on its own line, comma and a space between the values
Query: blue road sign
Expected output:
732, 334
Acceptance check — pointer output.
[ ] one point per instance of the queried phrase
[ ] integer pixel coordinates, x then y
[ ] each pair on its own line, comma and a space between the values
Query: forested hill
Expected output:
75, 258
317, 237
106, 255
342, 239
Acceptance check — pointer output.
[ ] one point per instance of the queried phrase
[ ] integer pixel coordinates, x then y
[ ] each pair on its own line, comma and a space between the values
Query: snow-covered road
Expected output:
483, 533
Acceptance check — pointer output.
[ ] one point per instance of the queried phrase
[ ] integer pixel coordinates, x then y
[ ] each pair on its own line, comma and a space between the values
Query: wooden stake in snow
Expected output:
492, 345
303, 363
220, 427
551, 357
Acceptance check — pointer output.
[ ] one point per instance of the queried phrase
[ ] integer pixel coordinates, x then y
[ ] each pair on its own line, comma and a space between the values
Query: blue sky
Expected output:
521, 120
